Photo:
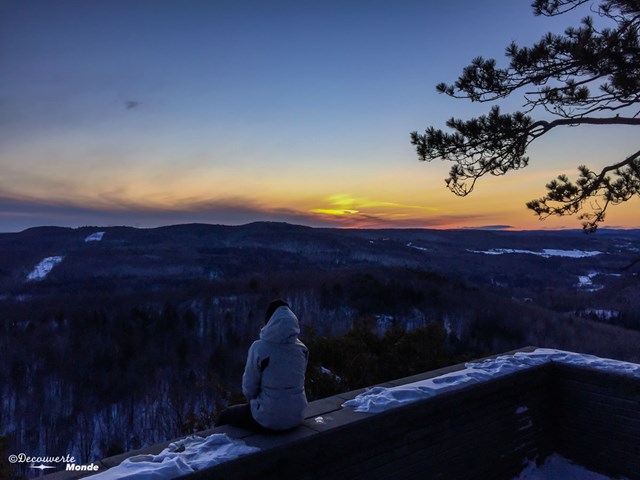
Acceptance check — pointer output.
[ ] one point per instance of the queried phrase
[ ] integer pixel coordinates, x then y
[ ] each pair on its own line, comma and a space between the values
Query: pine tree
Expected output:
590, 75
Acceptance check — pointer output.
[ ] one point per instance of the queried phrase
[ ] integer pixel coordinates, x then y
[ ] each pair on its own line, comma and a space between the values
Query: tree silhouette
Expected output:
588, 76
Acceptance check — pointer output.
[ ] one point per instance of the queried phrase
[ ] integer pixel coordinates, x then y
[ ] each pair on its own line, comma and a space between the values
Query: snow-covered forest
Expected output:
99, 363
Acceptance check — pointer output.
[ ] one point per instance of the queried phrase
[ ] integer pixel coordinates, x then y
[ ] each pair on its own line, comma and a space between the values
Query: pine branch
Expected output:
577, 78
567, 198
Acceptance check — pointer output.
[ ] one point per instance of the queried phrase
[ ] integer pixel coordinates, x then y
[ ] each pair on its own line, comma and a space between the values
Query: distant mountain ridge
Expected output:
191, 251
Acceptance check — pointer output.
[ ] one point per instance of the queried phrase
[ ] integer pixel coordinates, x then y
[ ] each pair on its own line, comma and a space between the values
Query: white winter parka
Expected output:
273, 379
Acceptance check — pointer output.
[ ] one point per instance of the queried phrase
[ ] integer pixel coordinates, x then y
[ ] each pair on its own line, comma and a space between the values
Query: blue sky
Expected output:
156, 112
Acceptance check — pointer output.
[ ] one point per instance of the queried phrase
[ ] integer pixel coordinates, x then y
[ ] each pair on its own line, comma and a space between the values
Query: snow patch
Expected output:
601, 313
585, 282
379, 399
95, 237
179, 458
545, 253
453, 326
383, 323
447, 327
527, 426
411, 245
558, 468
328, 372
43, 268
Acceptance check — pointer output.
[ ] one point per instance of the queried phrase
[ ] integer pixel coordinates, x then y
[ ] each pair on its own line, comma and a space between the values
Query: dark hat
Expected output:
272, 308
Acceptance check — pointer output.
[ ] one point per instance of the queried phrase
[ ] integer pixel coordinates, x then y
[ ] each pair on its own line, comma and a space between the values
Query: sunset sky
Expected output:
149, 113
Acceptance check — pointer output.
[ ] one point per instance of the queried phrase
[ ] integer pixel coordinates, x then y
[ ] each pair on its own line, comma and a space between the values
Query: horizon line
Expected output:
485, 228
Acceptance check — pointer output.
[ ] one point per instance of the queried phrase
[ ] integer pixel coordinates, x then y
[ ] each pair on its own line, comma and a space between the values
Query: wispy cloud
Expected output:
130, 104
21, 212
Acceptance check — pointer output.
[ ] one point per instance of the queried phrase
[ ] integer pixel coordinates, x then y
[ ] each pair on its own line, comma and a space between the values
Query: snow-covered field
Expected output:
545, 253
95, 237
43, 268
556, 467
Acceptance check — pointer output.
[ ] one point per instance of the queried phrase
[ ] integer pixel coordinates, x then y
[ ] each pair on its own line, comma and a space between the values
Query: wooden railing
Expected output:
485, 430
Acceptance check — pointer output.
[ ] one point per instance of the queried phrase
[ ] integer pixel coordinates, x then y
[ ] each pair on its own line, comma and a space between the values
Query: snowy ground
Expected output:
43, 268
95, 237
586, 282
557, 467
411, 245
545, 253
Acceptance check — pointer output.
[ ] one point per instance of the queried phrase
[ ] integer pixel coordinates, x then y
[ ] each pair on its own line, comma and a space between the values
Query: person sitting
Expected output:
273, 379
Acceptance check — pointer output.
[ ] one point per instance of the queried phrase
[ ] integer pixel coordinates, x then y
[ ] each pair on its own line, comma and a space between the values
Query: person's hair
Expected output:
272, 308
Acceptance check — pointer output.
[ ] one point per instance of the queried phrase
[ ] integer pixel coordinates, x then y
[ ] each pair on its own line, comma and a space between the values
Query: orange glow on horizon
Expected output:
410, 197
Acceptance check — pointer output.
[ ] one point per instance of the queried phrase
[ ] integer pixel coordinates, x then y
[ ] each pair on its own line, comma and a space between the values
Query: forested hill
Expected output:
118, 337
120, 258
49, 268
